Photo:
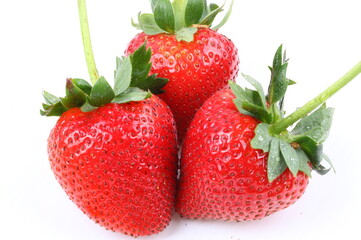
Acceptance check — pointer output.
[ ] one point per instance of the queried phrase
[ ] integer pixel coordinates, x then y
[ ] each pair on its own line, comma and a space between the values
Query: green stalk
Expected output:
89, 56
282, 125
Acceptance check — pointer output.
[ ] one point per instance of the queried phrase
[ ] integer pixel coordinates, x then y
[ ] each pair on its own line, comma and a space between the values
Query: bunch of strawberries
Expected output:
176, 132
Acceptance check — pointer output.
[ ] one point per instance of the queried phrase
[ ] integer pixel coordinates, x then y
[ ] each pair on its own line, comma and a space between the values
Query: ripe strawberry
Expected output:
222, 176
197, 60
239, 162
114, 152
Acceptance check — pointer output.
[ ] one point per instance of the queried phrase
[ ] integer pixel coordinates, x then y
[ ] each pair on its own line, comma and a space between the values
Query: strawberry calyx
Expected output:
131, 83
295, 149
180, 17
131, 80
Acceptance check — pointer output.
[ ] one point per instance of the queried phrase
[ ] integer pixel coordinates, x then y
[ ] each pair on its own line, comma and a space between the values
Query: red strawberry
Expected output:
114, 152
222, 176
239, 162
197, 60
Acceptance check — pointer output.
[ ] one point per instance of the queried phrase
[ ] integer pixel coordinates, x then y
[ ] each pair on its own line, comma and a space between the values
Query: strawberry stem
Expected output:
89, 56
282, 125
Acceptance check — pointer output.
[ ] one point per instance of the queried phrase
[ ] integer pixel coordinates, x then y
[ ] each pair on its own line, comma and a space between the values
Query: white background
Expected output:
40, 46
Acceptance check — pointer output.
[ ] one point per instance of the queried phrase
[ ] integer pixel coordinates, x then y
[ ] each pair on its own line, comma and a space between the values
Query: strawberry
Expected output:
197, 60
117, 163
114, 150
239, 162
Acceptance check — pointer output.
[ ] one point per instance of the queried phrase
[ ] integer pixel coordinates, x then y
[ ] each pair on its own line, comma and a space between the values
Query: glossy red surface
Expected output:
222, 176
118, 164
195, 70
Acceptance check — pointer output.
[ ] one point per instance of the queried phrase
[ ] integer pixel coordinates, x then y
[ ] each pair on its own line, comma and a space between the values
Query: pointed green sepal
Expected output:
101, 93
131, 83
52, 105
141, 65
147, 24
282, 153
251, 102
132, 94
123, 75
214, 10
276, 164
186, 34
193, 12
179, 7
262, 139
75, 97
164, 15
225, 18
279, 81
316, 125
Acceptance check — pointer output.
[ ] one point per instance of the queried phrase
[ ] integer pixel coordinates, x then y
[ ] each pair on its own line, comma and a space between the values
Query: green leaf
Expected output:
276, 164
135, 25
87, 107
132, 94
312, 149
209, 18
140, 64
186, 34
75, 97
254, 97
315, 154
101, 94
316, 125
239, 105
237, 90
258, 87
164, 15
322, 170
179, 7
148, 25
206, 9
247, 94
193, 12
262, 138
153, 3
52, 107
82, 84
328, 160
290, 156
303, 161
153, 84
251, 102
123, 75
279, 82
243, 94
53, 110
50, 99
225, 18
259, 112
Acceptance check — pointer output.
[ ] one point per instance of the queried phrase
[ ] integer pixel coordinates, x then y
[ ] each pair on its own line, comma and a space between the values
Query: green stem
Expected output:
282, 125
89, 56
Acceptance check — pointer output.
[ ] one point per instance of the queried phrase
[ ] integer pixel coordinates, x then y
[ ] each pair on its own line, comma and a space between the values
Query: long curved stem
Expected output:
317, 101
89, 56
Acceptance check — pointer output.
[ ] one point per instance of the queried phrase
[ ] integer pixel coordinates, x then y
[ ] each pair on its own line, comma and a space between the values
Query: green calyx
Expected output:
131, 83
180, 17
295, 149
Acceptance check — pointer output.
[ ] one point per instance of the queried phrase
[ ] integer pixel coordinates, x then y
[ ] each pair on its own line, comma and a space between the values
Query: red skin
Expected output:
195, 70
222, 176
118, 164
